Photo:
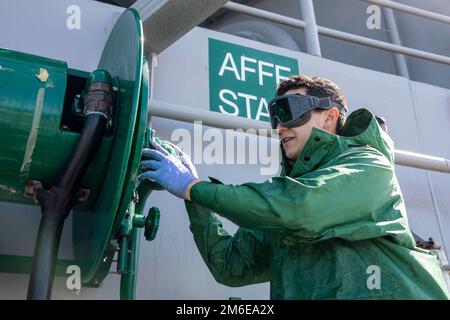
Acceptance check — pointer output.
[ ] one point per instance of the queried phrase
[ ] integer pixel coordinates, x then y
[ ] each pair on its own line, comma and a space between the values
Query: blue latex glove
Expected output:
166, 170
184, 158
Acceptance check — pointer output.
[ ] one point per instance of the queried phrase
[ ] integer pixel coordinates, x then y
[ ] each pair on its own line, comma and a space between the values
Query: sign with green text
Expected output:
243, 80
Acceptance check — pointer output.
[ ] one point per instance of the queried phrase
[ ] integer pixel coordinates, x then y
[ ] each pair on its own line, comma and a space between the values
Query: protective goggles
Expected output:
291, 110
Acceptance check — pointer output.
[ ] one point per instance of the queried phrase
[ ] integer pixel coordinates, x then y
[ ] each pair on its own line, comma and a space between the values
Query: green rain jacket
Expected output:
333, 226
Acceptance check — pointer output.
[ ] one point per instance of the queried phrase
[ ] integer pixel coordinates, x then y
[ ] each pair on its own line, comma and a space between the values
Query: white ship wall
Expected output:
170, 267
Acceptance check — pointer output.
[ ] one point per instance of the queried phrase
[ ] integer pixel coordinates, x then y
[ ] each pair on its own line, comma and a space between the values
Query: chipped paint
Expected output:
43, 75
7, 188
6, 69
49, 85
32, 137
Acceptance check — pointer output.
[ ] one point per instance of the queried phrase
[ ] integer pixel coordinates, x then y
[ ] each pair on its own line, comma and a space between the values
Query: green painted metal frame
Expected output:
31, 112
126, 212
128, 280
95, 230
22, 265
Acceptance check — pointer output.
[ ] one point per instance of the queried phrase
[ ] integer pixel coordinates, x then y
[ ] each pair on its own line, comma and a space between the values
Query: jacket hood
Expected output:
361, 129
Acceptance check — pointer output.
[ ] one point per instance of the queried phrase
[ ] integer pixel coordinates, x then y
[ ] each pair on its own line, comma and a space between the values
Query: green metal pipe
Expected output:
22, 265
122, 259
129, 279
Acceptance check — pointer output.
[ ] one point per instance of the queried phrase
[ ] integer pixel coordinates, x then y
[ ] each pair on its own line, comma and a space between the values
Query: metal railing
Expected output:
218, 120
312, 43
296, 23
411, 10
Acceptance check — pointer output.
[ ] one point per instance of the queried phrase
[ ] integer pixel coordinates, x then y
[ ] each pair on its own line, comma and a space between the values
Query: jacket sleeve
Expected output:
355, 198
238, 260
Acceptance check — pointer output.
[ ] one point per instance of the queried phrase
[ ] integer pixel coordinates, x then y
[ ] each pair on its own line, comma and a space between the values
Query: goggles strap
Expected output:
327, 104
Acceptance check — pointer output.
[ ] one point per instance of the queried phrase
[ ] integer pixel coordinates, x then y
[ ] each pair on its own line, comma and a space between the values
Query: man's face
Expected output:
294, 139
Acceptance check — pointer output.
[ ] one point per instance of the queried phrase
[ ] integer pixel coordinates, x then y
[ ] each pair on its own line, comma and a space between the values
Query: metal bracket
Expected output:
83, 195
31, 187
99, 99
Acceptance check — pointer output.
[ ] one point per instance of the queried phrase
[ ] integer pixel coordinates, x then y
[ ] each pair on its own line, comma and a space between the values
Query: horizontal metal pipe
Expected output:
208, 118
165, 21
383, 45
338, 34
218, 120
259, 13
411, 10
422, 161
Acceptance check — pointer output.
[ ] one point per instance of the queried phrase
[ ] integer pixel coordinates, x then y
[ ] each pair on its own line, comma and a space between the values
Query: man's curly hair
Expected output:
318, 87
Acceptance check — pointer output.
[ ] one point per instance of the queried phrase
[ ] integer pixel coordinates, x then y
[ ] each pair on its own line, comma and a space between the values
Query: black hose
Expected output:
46, 251
88, 143
56, 203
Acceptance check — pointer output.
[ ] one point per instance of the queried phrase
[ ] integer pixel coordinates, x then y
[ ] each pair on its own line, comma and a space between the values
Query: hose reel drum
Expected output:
45, 107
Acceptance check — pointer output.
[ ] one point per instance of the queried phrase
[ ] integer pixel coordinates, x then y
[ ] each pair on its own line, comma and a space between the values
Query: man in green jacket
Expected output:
333, 225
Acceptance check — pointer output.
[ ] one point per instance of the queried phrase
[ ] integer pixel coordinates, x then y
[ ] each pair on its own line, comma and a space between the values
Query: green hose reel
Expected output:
41, 107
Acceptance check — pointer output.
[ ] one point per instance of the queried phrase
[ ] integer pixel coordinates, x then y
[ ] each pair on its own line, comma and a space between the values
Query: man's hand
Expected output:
168, 171
182, 156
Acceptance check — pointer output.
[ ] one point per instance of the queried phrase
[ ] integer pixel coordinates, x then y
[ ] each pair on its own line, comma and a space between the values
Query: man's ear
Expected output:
331, 119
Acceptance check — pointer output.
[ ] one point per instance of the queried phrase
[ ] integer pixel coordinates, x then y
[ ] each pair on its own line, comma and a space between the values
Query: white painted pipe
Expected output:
224, 121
